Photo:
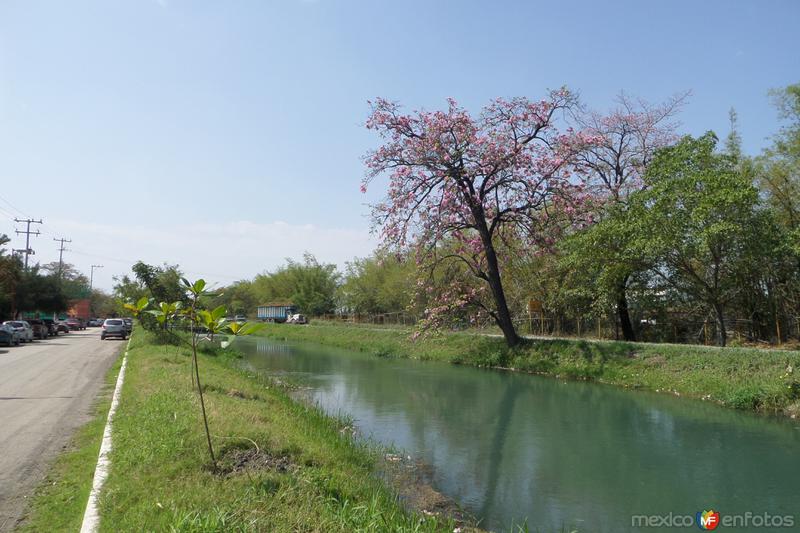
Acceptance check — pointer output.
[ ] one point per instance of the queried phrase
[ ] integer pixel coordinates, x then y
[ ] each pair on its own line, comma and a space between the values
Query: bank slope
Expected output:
282, 466
766, 381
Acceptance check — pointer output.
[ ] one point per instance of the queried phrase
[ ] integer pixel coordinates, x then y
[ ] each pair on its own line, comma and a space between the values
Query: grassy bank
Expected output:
60, 501
760, 380
282, 466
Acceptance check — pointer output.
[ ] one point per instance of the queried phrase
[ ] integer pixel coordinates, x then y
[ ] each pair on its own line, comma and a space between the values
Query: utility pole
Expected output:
91, 276
61, 254
28, 233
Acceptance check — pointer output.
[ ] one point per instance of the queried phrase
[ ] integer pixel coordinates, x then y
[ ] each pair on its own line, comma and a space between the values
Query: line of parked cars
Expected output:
16, 332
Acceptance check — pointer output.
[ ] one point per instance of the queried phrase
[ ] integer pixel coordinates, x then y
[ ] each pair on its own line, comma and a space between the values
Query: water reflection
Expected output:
509, 446
266, 348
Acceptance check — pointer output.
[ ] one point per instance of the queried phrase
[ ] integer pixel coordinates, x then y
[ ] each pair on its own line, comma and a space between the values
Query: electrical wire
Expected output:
119, 260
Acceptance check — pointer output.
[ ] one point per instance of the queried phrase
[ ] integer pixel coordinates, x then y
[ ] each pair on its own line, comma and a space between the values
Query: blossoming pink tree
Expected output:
459, 185
628, 137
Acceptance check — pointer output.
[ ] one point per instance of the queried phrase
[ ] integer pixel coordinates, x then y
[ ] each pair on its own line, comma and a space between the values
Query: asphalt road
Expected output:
47, 389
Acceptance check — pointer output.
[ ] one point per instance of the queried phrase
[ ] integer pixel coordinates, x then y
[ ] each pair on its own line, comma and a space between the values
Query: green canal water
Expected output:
511, 447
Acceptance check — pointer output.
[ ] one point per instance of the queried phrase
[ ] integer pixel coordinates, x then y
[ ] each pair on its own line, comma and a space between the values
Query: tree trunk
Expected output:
722, 335
503, 317
624, 315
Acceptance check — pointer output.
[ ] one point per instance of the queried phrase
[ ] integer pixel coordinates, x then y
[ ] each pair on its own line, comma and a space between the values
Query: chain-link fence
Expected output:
679, 329
676, 328
386, 319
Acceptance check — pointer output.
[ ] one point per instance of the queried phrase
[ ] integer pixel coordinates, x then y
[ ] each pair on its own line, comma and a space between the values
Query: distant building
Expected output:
80, 308
276, 311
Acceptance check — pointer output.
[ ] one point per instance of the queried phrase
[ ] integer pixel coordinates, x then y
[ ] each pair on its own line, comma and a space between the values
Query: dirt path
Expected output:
46, 392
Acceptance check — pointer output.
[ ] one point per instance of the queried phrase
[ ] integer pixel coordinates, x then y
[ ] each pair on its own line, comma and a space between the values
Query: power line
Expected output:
19, 212
12, 206
12, 215
28, 233
7, 213
131, 262
105, 257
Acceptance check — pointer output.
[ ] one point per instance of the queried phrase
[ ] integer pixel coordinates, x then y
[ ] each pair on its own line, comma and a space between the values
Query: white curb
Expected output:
91, 518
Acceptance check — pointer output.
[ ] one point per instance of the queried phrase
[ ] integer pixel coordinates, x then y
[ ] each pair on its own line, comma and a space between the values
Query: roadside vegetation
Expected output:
282, 466
610, 222
668, 238
766, 381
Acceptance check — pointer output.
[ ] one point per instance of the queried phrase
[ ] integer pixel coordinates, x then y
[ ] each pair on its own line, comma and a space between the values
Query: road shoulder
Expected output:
58, 503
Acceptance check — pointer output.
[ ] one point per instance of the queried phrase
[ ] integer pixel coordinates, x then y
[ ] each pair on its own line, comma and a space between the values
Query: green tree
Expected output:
128, 289
310, 285
34, 290
779, 167
381, 283
239, 298
74, 284
37, 292
10, 274
163, 283
599, 264
777, 173
102, 304
699, 224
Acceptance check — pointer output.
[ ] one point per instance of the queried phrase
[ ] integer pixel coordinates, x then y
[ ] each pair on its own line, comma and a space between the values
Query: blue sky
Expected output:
225, 136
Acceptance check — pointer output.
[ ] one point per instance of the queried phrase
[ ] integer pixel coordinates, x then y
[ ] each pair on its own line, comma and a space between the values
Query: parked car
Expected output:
52, 326
297, 319
40, 330
113, 327
62, 326
24, 329
73, 324
128, 325
94, 323
9, 336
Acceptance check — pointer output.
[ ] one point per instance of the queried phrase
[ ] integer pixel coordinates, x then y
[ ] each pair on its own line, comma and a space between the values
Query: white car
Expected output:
297, 319
23, 329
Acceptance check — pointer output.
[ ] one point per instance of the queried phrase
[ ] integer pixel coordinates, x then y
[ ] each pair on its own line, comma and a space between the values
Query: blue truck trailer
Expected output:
276, 312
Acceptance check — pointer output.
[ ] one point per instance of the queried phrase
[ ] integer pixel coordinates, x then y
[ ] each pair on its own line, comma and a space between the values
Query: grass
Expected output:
284, 466
766, 381
60, 501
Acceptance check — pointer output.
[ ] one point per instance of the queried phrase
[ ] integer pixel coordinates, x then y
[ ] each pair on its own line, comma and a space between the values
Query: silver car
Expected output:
22, 327
113, 327
9, 336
